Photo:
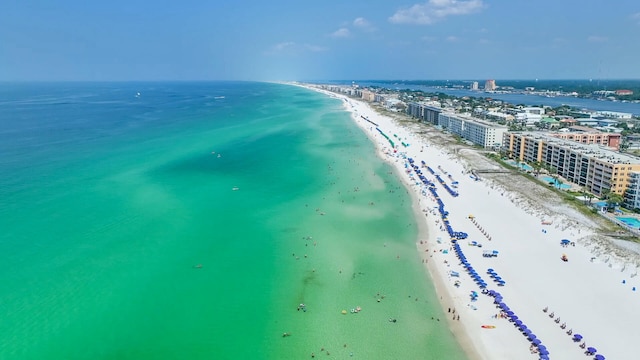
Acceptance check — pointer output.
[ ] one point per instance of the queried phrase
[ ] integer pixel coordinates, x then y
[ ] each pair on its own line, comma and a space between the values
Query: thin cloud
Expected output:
315, 48
435, 10
341, 33
290, 47
282, 46
636, 17
429, 38
596, 38
362, 24
452, 38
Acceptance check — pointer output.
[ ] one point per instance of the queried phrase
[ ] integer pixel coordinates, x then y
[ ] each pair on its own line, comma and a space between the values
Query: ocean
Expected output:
191, 221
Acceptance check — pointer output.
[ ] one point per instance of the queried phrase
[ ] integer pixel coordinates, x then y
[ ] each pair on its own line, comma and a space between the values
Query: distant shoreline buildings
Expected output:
583, 155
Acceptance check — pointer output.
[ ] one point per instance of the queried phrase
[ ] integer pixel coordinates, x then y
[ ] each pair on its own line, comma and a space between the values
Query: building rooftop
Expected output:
467, 117
600, 152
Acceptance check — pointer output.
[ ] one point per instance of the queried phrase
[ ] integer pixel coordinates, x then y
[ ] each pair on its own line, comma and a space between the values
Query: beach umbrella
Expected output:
524, 330
510, 313
544, 357
599, 357
518, 322
565, 241
537, 342
592, 350
514, 318
532, 336
577, 337
543, 352
542, 347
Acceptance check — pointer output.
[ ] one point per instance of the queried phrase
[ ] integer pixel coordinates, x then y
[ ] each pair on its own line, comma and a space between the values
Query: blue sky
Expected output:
318, 40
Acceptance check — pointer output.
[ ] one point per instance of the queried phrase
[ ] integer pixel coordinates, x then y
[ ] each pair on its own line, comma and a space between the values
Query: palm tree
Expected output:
537, 165
612, 199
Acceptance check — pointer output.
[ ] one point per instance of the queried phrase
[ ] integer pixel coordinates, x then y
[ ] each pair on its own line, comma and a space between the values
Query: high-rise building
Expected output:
490, 85
474, 85
597, 168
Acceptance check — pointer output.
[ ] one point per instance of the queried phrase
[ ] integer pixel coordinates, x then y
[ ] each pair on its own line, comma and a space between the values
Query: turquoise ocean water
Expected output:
122, 237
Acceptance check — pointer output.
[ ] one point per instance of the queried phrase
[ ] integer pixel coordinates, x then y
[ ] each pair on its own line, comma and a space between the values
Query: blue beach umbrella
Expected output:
525, 330
536, 342
592, 350
544, 357
532, 336
577, 337
599, 357
510, 313
543, 352
518, 322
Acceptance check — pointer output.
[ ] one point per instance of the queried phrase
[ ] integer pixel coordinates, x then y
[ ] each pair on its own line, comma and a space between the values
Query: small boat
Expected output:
235, 188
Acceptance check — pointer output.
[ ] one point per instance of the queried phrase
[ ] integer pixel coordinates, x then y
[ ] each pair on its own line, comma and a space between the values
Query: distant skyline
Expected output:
329, 40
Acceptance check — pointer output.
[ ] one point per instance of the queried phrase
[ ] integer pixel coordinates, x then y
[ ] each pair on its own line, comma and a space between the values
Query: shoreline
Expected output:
585, 294
425, 235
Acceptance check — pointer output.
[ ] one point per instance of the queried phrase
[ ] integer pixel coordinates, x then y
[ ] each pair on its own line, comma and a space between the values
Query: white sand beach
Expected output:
592, 294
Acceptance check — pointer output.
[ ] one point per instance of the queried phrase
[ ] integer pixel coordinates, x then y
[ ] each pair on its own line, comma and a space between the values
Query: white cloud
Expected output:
342, 32
483, 41
636, 16
452, 38
363, 24
596, 38
434, 10
429, 38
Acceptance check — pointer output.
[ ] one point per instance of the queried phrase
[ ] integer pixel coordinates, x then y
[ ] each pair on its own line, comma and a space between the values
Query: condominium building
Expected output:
424, 112
632, 195
479, 132
490, 85
474, 85
592, 136
592, 166
368, 95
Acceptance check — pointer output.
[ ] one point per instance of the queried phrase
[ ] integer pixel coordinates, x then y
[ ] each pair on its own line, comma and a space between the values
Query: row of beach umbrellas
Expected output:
498, 299
496, 277
457, 235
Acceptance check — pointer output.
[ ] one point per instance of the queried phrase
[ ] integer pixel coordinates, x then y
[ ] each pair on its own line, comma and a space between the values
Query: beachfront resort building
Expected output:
424, 112
592, 166
490, 85
479, 132
587, 135
632, 195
